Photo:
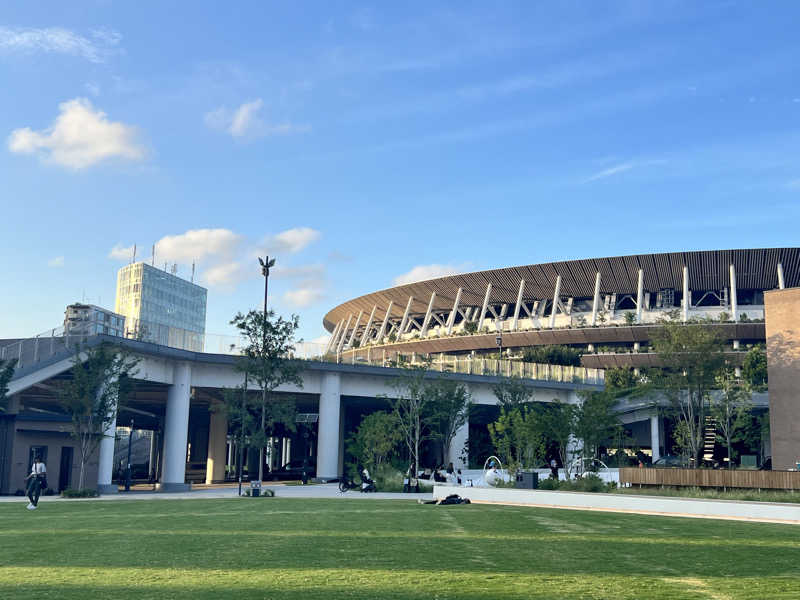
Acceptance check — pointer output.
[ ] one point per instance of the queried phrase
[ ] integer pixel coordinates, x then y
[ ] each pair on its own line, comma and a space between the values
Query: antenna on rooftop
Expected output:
153, 262
133, 257
192, 280
165, 267
174, 269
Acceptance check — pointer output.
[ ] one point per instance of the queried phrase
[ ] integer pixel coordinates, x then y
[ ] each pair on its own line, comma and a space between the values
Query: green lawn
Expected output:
292, 548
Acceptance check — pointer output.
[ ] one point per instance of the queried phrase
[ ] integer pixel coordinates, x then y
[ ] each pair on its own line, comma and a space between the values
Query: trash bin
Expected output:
255, 489
527, 480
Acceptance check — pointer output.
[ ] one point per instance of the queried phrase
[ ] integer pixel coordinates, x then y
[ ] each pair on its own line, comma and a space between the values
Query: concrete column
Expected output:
639, 296
349, 344
217, 444
596, 299
655, 437
556, 302
686, 299
457, 445
340, 345
452, 320
105, 462
734, 302
484, 306
329, 432
518, 305
176, 426
781, 282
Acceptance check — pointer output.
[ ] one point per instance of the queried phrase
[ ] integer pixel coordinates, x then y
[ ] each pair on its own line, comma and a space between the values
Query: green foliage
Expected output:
448, 411
100, 383
471, 327
411, 407
731, 410
375, 440
629, 317
265, 362
6, 373
513, 391
621, 379
553, 355
595, 422
558, 424
518, 437
79, 493
754, 368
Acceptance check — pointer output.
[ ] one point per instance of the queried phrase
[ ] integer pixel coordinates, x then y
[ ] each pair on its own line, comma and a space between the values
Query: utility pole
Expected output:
128, 473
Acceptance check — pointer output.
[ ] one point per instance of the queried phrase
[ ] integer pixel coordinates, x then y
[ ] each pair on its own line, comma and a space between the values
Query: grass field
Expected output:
306, 548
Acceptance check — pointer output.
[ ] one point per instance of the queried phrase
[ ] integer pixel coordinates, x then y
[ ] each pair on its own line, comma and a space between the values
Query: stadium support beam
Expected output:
427, 320
452, 320
355, 329
655, 437
334, 335
365, 336
382, 330
556, 302
639, 296
781, 283
596, 300
404, 322
686, 300
344, 334
734, 302
518, 304
176, 427
485, 305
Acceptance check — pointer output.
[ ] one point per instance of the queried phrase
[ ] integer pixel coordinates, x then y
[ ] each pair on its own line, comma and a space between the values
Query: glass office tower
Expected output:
160, 307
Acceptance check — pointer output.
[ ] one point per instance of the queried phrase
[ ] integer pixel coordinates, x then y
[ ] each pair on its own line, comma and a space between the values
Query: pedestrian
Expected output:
35, 480
553, 469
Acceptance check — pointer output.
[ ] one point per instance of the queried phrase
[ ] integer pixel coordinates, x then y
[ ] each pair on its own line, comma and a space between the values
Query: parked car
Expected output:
669, 461
293, 470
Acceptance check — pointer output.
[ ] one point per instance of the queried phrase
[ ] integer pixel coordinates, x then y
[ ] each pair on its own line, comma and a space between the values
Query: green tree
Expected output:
237, 407
754, 368
730, 408
621, 379
411, 406
513, 391
6, 373
100, 383
595, 422
449, 411
517, 437
558, 425
691, 357
376, 439
553, 355
265, 362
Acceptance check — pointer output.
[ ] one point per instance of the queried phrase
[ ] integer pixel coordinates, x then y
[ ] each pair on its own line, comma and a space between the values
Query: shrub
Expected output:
82, 493
548, 484
265, 493
471, 327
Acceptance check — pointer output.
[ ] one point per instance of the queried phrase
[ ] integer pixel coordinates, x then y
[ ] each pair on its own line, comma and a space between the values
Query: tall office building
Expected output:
160, 307
88, 319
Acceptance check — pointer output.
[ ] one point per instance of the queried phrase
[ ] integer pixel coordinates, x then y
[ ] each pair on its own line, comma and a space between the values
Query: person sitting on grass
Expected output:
367, 484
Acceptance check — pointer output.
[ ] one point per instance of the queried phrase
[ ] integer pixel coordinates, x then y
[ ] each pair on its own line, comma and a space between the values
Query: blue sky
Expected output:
364, 144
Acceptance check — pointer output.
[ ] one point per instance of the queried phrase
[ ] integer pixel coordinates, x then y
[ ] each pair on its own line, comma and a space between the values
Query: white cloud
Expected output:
610, 171
58, 261
80, 137
96, 48
246, 122
120, 252
197, 245
228, 275
304, 296
291, 241
299, 272
425, 272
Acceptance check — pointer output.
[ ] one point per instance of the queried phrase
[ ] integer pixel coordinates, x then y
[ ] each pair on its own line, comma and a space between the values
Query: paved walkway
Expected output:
327, 490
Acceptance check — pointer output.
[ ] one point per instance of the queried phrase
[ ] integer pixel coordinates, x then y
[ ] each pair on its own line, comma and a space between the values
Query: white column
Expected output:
217, 444
340, 345
655, 437
686, 299
734, 302
518, 305
781, 282
454, 452
332, 341
404, 321
426, 321
596, 300
365, 335
452, 320
176, 426
484, 306
105, 461
382, 331
556, 302
355, 328
329, 430
639, 296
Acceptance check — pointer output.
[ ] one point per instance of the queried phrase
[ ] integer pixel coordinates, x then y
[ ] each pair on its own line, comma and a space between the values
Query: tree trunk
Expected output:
263, 425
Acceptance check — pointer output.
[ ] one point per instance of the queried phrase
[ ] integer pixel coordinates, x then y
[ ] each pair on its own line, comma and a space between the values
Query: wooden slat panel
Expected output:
717, 478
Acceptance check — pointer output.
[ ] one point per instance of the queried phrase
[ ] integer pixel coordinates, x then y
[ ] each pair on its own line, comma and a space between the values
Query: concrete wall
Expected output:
783, 359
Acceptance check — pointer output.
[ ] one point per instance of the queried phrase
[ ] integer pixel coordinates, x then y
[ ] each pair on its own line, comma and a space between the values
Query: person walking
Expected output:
35, 480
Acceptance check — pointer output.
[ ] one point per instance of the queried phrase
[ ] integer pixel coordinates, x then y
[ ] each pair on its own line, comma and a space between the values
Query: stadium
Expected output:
607, 308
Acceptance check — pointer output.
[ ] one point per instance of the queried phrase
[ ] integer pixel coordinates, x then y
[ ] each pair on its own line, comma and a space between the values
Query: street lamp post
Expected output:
128, 470
265, 266
499, 339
